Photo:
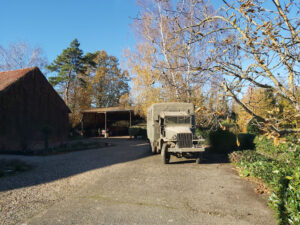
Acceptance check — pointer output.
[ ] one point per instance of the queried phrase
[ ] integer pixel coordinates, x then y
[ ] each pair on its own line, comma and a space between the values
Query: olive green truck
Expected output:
171, 131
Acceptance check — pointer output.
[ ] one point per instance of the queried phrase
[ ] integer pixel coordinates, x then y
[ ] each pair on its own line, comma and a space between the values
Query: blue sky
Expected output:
53, 24
98, 24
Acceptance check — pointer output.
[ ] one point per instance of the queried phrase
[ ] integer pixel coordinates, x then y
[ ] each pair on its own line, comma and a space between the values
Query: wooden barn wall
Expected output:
29, 112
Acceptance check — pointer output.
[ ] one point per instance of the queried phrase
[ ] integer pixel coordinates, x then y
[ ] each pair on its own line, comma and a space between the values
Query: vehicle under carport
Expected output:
111, 121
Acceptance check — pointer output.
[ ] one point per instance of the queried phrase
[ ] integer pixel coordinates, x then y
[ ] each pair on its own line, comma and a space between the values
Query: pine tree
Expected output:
70, 67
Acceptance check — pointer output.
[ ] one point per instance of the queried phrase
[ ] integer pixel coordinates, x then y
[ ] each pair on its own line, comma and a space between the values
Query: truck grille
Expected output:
185, 140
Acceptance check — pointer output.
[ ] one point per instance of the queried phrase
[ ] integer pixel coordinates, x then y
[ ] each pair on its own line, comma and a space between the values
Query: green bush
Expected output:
121, 123
137, 131
202, 132
230, 125
222, 141
279, 168
285, 199
256, 165
246, 141
285, 152
253, 127
226, 141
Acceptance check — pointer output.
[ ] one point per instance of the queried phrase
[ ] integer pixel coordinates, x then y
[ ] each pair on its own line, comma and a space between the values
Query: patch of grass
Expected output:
12, 166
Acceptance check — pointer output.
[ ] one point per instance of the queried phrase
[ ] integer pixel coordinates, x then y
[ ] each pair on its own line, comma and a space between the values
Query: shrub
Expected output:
226, 141
253, 127
285, 197
203, 133
121, 123
222, 141
246, 141
286, 152
279, 168
228, 124
137, 131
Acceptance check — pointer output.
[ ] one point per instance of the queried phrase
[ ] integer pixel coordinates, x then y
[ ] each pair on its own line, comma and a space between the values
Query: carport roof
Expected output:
108, 109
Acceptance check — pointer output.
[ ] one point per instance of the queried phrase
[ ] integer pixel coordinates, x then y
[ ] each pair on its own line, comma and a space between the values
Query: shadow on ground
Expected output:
54, 167
208, 158
211, 158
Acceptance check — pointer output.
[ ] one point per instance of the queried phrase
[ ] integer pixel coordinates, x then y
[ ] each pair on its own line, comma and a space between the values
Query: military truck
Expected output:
171, 131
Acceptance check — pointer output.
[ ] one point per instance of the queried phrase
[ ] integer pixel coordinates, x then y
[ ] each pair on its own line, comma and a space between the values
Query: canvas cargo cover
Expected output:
155, 109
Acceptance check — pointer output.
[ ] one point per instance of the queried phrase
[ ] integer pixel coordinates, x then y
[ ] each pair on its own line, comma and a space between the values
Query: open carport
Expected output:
111, 121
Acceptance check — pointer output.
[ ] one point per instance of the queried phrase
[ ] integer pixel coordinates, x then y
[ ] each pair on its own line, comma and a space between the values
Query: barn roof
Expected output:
7, 78
108, 109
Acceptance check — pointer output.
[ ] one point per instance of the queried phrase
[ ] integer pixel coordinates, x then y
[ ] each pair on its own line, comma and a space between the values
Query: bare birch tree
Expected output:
170, 62
21, 55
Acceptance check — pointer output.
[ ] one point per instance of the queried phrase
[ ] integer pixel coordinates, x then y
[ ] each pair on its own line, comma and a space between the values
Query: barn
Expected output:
32, 115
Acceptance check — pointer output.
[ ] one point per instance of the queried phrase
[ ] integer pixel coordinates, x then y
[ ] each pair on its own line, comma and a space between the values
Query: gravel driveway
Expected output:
124, 184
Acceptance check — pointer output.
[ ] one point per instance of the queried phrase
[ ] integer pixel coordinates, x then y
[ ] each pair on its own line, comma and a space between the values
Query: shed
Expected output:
110, 121
32, 114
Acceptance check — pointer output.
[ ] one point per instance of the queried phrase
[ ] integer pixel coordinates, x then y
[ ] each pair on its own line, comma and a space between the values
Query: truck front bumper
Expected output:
180, 150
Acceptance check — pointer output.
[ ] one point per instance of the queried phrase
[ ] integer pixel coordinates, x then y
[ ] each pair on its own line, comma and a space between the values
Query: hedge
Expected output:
137, 131
279, 168
224, 141
253, 127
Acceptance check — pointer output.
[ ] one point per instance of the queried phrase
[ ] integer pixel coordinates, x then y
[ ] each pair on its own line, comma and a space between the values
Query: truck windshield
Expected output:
178, 120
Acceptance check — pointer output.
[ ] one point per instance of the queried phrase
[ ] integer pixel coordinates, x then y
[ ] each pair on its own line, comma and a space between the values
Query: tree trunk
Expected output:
67, 89
67, 93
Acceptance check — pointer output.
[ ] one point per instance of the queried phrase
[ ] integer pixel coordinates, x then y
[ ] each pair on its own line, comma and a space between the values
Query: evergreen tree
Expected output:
70, 67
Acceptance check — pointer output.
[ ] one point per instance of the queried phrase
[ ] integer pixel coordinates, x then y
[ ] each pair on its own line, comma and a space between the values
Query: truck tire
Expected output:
165, 154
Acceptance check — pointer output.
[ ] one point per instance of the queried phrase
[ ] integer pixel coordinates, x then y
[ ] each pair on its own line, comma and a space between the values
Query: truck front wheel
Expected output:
165, 154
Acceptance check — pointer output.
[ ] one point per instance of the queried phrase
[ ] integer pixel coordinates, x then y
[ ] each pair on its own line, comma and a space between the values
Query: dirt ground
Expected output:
125, 184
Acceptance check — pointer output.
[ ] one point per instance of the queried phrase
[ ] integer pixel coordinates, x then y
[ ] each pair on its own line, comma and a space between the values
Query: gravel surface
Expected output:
52, 179
124, 184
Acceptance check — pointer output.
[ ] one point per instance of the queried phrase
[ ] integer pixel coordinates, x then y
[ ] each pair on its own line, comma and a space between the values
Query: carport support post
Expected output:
105, 135
81, 121
129, 118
